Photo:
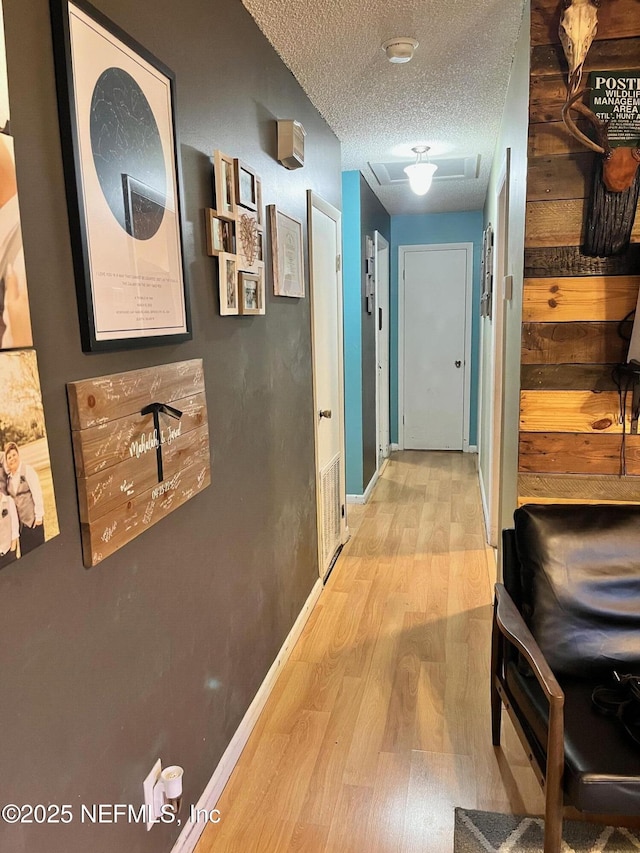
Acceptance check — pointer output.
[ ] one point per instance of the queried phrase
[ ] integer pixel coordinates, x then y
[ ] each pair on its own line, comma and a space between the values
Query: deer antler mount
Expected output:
578, 27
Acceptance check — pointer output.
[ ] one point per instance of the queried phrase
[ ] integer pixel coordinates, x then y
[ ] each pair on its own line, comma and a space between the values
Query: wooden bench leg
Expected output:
496, 715
554, 799
552, 825
496, 702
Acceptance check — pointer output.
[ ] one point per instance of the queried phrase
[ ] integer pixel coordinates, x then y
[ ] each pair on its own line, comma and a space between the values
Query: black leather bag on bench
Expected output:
621, 701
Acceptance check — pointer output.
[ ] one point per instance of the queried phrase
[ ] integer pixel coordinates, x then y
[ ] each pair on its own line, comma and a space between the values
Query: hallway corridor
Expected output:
379, 724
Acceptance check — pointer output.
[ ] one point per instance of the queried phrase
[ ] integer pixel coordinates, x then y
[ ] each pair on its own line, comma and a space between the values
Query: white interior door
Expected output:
328, 393
435, 331
382, 345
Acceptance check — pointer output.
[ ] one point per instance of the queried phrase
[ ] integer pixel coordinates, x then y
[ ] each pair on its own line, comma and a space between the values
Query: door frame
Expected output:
381, 244
498, 340
492, 349
315, 201
403, 251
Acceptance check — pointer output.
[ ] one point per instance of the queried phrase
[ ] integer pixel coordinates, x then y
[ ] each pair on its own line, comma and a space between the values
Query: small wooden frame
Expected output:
246, 185
219, 233
224, 185
286, 253
252, 291
228, 284
141, 449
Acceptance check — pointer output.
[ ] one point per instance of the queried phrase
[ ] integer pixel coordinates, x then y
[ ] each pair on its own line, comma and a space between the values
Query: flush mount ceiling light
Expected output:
421, 172
400, 49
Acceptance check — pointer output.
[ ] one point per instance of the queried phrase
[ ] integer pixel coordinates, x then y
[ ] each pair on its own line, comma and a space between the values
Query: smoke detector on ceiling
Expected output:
400, 49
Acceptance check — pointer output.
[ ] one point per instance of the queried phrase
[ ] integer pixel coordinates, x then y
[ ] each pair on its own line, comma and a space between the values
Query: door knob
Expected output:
325, 413
458, 364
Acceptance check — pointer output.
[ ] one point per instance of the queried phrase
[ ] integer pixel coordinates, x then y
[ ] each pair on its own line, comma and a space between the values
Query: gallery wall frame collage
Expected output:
126, 229
235, 230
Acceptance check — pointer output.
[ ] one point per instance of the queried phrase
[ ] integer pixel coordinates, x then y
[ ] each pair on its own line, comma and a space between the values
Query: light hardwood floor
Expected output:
379, 724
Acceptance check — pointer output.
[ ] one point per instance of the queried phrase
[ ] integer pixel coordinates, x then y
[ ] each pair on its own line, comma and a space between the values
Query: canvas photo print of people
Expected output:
15, 320
28, 516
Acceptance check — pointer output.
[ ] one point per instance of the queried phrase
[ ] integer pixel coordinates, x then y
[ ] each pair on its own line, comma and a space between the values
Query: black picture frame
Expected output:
486, 273
124, 201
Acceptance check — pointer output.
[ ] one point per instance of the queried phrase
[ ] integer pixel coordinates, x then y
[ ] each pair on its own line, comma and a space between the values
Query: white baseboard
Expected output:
471, 448
371, 486
395, 447
362, 499
189, 836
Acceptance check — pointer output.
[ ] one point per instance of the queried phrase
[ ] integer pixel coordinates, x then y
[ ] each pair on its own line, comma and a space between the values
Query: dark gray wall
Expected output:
158, 651
373, 217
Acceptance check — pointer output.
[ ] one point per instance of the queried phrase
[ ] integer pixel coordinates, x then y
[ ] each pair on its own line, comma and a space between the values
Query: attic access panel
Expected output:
390, 174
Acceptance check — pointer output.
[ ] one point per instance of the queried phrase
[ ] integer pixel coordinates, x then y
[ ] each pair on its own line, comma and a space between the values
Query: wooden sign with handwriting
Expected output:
141, 449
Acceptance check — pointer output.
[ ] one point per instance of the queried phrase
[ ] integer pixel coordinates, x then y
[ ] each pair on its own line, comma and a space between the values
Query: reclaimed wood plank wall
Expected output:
570, 429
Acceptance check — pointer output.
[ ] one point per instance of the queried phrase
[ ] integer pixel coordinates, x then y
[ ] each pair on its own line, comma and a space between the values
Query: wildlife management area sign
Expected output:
615, 98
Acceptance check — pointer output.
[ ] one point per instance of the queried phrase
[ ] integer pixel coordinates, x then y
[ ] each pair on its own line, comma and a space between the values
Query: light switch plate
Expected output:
508, 287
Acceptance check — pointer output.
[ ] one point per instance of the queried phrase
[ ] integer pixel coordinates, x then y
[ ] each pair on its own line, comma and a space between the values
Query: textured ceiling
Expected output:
450, 96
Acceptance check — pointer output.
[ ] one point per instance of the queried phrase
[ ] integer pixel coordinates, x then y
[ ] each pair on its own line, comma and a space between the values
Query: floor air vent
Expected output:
330, 497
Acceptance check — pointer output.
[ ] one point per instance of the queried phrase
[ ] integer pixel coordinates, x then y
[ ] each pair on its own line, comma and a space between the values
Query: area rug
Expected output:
489, 832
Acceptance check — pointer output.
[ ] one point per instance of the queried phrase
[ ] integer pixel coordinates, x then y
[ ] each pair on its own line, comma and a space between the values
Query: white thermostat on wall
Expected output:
291, 136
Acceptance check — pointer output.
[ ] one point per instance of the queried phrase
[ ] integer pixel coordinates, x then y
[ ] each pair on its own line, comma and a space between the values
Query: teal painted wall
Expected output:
429, 228
352, 320
362, 215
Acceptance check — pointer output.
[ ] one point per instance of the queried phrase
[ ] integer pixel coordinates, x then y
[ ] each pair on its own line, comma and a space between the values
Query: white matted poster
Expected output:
116, 103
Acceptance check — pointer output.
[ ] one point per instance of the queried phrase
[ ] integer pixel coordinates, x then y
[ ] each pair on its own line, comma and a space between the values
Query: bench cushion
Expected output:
602, 764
